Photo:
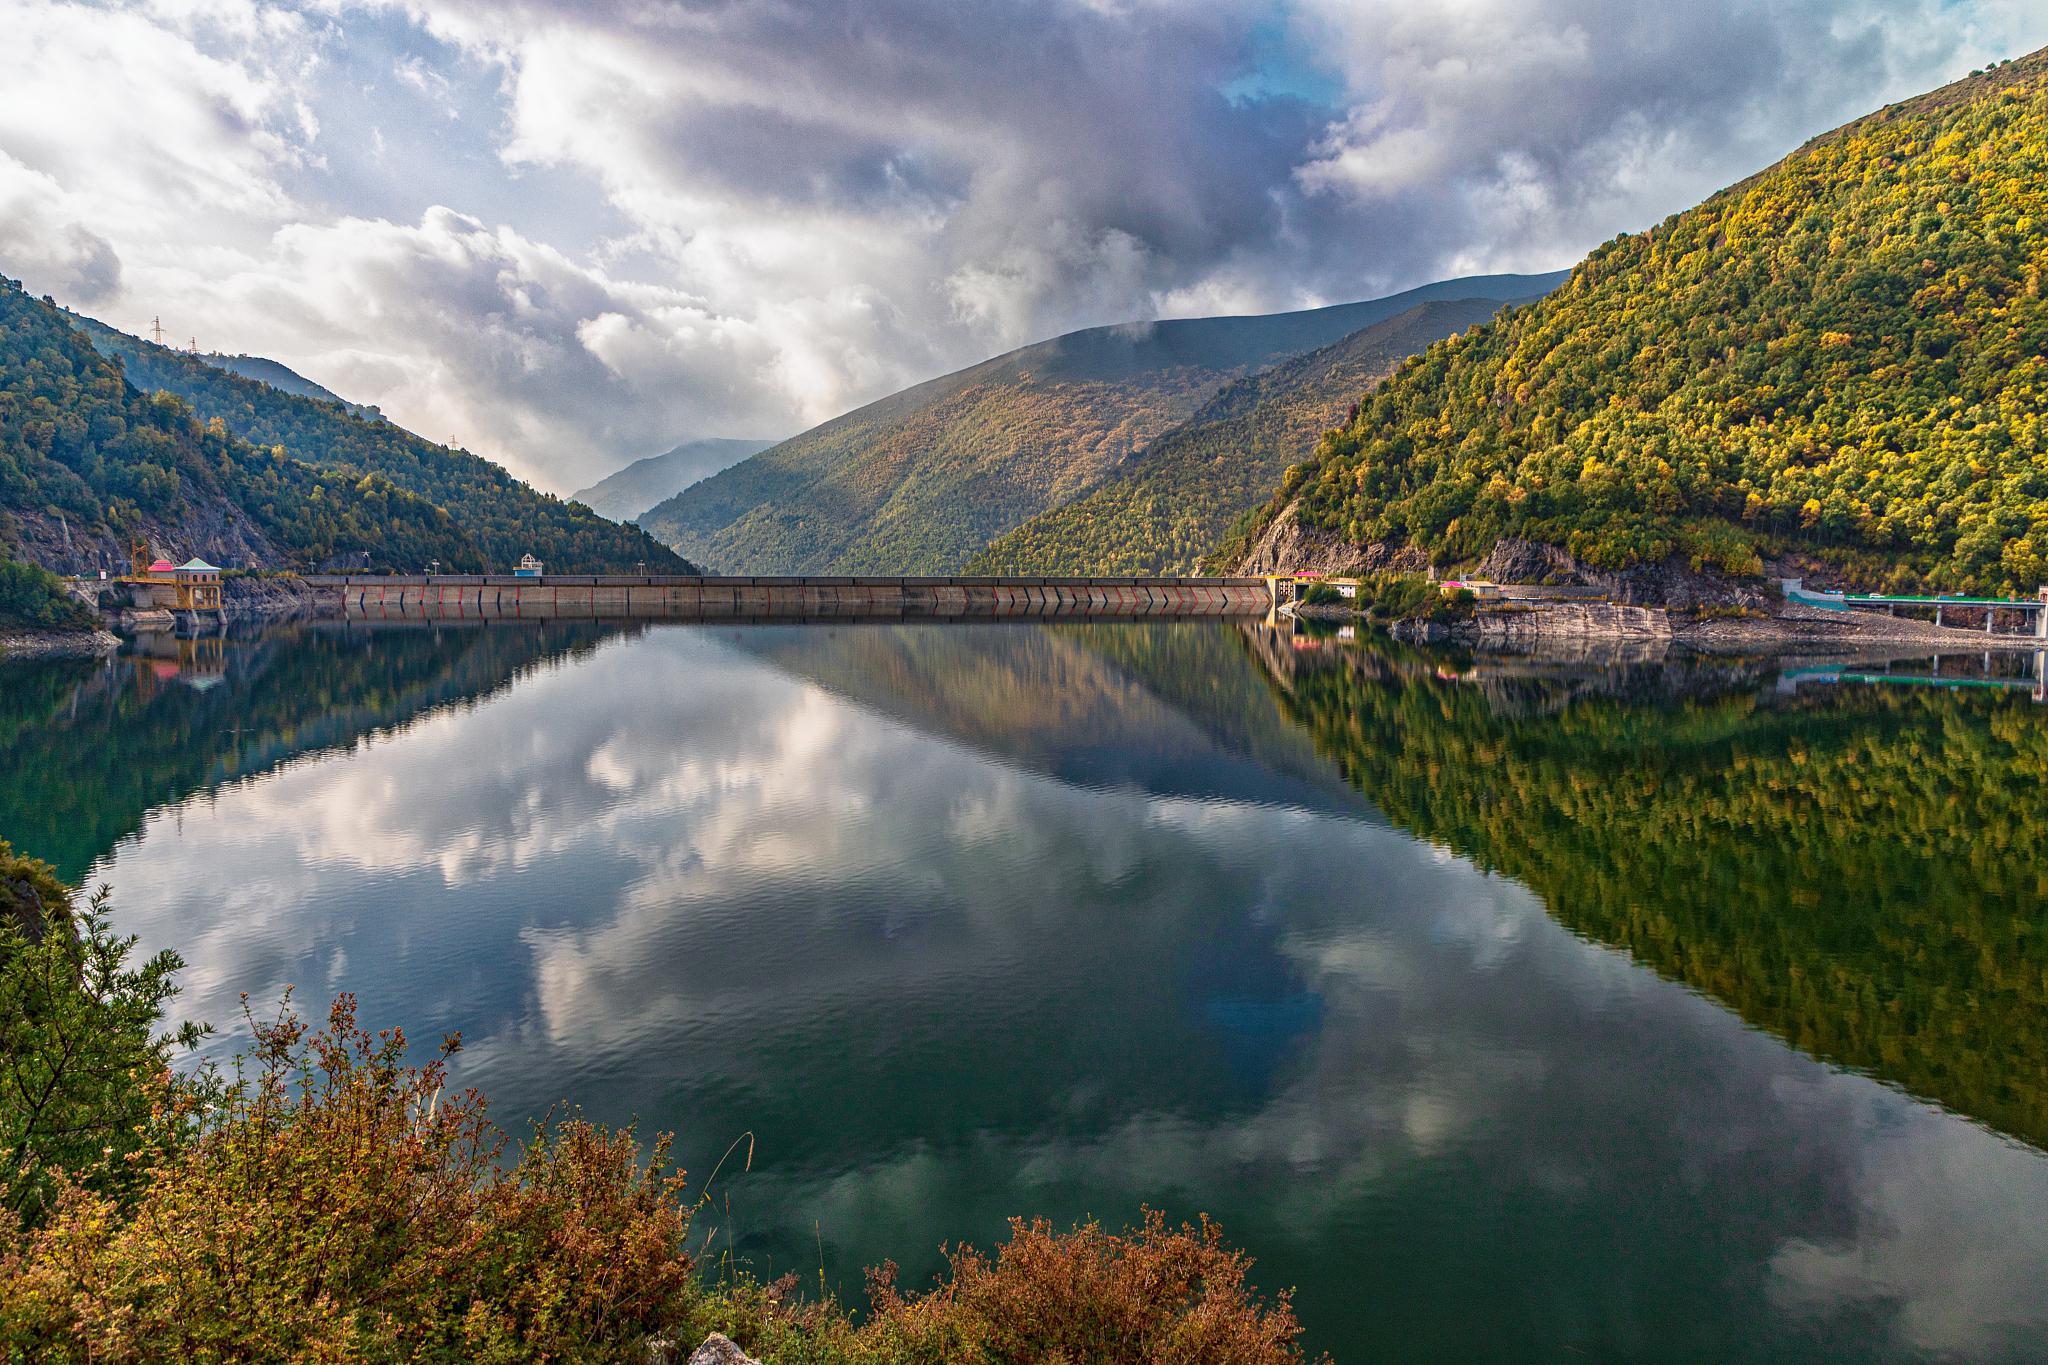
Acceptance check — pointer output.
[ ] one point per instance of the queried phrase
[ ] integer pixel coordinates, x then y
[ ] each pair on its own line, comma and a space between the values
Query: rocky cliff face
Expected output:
1289, 547
1573, 621
1672, 583
218, 532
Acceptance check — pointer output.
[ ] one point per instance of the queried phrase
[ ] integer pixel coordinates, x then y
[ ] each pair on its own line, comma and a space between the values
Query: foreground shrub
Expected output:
1154, 1295
32, 898
327, 1201
86, 1096
1159, 1294
340, 1206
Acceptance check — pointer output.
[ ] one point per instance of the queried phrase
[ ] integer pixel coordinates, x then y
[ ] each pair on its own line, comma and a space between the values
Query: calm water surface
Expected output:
1512, 1013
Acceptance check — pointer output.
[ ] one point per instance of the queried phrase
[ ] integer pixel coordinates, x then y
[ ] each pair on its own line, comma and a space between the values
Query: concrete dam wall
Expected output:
582, 595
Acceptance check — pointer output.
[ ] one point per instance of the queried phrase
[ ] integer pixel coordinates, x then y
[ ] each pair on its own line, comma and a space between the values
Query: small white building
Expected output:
528, 567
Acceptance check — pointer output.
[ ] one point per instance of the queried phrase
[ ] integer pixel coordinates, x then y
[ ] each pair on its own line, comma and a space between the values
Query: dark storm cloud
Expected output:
1465, 135
1012, 130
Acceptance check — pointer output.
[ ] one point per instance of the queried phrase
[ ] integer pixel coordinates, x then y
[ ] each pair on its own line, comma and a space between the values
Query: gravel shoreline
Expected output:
57, 644
1791, 629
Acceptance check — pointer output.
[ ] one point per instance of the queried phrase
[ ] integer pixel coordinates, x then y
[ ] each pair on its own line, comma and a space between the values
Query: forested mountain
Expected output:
629, 493
1844, 357
920, 481
87, 461
1165, 508
503, 516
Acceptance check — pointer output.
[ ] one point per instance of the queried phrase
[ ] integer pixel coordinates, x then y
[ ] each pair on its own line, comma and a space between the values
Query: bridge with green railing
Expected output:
2021, 617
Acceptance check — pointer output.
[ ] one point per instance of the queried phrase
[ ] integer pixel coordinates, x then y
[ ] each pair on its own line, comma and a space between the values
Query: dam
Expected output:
796, 598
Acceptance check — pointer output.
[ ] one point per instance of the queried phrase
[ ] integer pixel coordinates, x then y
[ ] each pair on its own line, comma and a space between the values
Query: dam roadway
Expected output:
718, 597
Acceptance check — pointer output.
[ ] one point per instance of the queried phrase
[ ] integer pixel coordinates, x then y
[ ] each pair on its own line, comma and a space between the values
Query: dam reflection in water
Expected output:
961, 922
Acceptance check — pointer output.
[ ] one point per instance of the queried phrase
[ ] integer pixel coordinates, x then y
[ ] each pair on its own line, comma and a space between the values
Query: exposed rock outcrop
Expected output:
1289, 547
1573, 621
1673, 583
719, 1349
1527, 561
268, 595
220, 532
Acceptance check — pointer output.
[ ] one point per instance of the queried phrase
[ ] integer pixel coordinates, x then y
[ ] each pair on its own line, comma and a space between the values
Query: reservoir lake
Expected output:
1507, 1010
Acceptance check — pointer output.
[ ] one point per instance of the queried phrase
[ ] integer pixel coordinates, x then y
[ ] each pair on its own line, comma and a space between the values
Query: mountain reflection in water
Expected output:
1510, 1013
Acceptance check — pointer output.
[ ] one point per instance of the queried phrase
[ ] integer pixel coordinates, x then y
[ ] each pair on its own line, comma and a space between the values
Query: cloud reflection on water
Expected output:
675, 882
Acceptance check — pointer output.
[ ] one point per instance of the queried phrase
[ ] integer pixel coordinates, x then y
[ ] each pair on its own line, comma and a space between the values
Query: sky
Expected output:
567, 234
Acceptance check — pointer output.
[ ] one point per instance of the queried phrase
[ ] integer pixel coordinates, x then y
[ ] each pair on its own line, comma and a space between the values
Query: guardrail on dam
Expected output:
604, 595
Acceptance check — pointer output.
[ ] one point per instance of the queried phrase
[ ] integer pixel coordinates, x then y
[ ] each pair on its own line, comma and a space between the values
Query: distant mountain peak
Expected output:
628, 492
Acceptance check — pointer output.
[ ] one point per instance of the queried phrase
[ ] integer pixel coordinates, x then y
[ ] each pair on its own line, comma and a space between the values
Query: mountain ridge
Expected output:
285, 379
88, 462
1162, 510
923, 479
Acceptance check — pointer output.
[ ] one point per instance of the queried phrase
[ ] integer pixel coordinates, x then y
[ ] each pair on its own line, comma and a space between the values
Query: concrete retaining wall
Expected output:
688, 598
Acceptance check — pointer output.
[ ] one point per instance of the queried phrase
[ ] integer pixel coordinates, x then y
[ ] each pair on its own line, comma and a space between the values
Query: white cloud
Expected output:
122, 144
573, 233
43, 238
506, 344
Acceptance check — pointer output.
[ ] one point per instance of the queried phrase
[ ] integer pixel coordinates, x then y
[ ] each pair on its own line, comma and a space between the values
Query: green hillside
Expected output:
922, 480
1844, 357
503, 516
1160, 512
87, 461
